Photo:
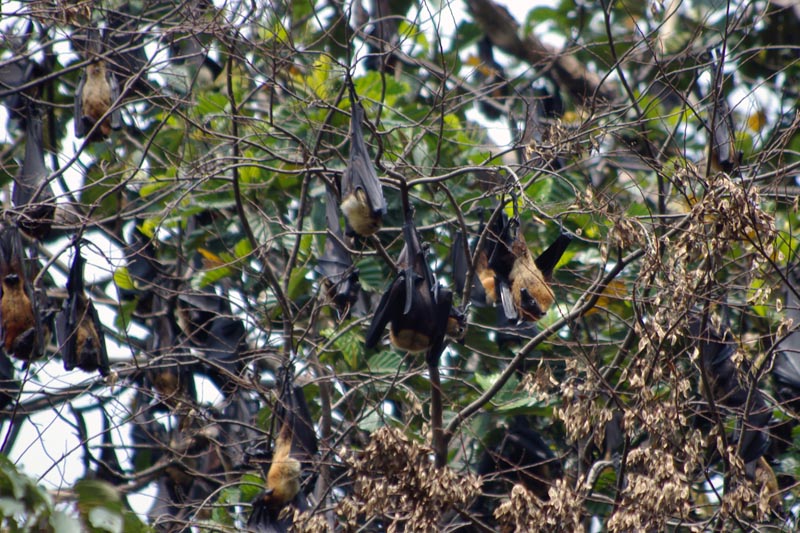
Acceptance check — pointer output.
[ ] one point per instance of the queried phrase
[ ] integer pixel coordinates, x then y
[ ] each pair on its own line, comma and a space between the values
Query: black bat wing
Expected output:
716, 350
223, 352
9, 386
68, 319
786, 368
32, 193
389, 308
724, 146
101, 362
109, 468
443, 299
77, 119
115, 118
360, 172
498, 249
547, 260
335, 264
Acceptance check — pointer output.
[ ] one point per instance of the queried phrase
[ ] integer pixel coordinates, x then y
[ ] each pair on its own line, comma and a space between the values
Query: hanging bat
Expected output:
9, 386
485, 288
521, 456
363, 203
207, 322
96, 93
78, 327
786, 367
13, 76
32, 194
168, 372
716, 355
21, 332
414, 305
335, 264
514, 265
292, 458
493, 80
724, 156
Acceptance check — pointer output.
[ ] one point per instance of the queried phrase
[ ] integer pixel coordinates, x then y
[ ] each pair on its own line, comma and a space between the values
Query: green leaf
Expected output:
250, 487
123, 279
106, 520
62, 522
385, 362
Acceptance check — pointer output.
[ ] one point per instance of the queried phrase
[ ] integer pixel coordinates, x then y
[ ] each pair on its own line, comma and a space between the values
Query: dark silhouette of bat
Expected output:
191, 64
292, 458
9, 386
97, 92
363, 203
486, 284
493, 80
32, 195
514, 453
335, 264
716, 351
724, 156
14, 76
207, 322
78, 327
22, 332
786, 367
414, 305
171, 368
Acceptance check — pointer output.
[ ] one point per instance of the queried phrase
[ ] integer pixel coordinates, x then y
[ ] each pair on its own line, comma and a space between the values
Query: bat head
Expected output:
457, 324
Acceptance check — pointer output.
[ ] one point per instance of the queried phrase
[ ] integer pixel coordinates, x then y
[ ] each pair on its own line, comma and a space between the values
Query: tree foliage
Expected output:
659, 391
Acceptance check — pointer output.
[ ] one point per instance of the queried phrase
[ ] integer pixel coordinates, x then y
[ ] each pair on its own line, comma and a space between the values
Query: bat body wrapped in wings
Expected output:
78, 328
335, 264
96, 93
363, 203
32, 194
291, 467
417, 308
21, 333
723, 153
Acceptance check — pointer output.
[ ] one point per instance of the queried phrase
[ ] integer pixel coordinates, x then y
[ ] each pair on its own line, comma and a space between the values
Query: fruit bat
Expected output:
78, 327
21, 333
786, 367
13, 76
335, 264
512, 454
485, 286
716, 351
9, 386
528, 278
96, 94
191, 65
292, 458
493, 80
126, 41
724, 156
148, 435
414, 304
32, 194
363, 203
206, 320
168, 372
108, 467
522, 456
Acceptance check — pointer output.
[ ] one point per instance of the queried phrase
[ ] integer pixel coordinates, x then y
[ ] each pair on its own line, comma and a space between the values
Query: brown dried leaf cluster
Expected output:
395, 482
